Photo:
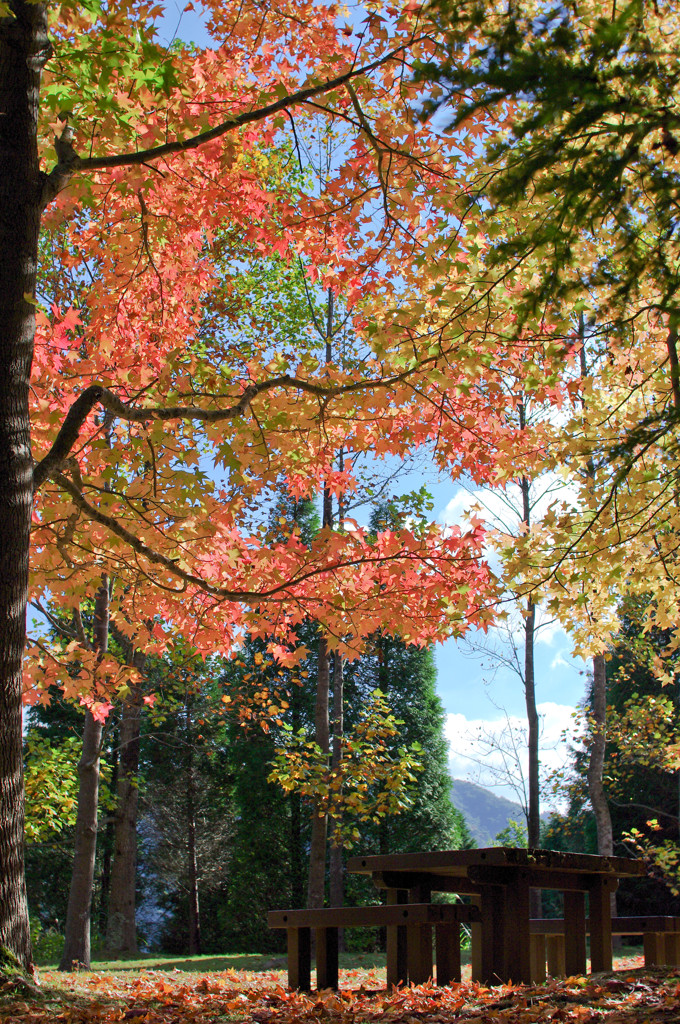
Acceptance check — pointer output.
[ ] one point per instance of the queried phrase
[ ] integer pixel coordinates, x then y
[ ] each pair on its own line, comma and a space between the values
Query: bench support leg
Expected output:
672, 949
575, 933
537, 958
299, 958
600, 927
555, 953
447, 951
654, 946
419, 953
396, 944
326, 958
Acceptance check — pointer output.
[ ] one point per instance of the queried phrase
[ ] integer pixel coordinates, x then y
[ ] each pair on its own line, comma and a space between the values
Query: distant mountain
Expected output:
485, 813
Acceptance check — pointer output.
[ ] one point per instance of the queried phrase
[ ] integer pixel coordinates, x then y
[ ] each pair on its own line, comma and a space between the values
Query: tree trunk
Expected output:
598, 797
297, 851
24, 48
317, 848
121, 931
595, 774
107, 842
534, 815
77, 931
533, 724
336, 866
337, 872
192, 858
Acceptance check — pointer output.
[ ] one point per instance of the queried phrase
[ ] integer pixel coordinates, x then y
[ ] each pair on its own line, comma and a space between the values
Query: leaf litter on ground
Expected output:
631, 995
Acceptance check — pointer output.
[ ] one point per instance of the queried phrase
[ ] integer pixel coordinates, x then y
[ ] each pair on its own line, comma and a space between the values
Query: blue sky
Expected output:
478, 693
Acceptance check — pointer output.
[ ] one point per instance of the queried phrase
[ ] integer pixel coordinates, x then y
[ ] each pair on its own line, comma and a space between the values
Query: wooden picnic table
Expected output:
499, 880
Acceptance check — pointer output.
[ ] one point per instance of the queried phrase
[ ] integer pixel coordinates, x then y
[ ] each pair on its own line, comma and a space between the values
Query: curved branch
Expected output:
97, 394
252, 597
68, 161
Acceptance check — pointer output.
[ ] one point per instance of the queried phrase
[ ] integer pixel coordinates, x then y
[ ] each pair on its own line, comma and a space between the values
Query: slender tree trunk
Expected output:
533, 724
24, 49
121, 932
336, 865
77, 931
297, 852
297, 882
534, 816
319, 836
107, 844
595, 773
192, 858
337, 872
317, 849
598, 797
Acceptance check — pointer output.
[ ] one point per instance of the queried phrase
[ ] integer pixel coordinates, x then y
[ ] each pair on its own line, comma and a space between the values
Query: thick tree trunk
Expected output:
77, 931
121, 931
24, 48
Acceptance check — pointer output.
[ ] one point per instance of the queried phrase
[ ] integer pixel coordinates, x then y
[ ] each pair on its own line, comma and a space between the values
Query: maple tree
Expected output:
182, 178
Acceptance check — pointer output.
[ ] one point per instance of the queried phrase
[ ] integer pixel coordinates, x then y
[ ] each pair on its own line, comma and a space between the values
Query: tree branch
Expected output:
68, 161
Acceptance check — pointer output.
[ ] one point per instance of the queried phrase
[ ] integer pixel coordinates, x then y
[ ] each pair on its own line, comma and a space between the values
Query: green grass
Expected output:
255, 962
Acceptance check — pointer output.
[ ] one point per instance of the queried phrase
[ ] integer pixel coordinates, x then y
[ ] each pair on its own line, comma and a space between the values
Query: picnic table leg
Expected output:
326, 958
299, 958
492, 945
517, 931
600, 926
396, 943
419, 940
574, 933
476, 943
447, 947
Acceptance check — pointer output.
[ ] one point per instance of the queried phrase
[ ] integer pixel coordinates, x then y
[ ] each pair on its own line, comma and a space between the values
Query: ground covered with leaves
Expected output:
632, 995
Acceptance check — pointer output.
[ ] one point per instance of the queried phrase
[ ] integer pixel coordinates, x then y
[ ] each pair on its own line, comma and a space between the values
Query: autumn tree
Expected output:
154, 150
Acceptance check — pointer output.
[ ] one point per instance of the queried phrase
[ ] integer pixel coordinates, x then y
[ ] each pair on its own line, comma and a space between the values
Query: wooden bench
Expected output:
661, 938
409, 940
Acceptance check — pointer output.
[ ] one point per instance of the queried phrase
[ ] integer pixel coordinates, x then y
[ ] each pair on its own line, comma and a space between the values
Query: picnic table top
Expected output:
457, 863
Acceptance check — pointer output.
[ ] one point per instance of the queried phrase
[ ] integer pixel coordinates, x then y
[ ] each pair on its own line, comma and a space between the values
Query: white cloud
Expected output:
492, 752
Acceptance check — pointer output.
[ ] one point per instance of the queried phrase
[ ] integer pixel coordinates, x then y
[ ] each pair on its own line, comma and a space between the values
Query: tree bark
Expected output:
337, 894
107, 842
596, 792
77, 931
317, 848
121, 930
297, 852
534, 815
595, 773
336, 865
192, 858
24, 49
